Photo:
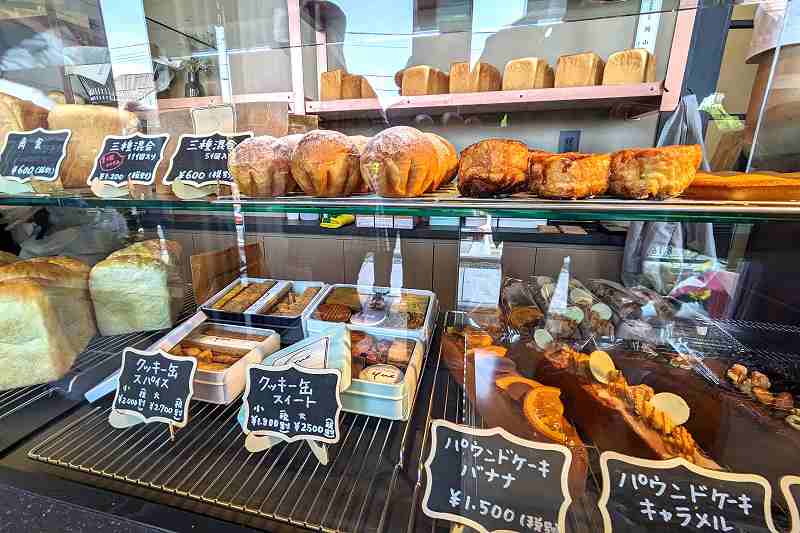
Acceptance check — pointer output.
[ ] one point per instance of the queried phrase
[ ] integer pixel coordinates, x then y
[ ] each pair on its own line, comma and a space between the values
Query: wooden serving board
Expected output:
212, 271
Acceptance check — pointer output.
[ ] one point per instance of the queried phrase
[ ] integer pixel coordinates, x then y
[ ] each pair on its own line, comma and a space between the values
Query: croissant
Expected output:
659, 173
568, 175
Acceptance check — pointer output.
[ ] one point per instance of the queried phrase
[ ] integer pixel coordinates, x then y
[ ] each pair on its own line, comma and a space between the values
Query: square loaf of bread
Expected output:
138, 288
630, 66
482, 77
422, 80
47, 319
579, 70
527, 73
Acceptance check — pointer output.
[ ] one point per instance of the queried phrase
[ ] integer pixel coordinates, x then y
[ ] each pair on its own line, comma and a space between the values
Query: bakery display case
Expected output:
438, 265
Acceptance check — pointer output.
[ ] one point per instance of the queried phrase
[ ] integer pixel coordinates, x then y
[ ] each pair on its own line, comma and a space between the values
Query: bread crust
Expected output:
493, 166
326, 164
261, 166
448, 160
663, 172
400, 162
735, 186
569, 175
17, 114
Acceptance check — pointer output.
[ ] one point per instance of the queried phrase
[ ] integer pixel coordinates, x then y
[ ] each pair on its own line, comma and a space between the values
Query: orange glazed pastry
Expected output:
569, 175
659, 173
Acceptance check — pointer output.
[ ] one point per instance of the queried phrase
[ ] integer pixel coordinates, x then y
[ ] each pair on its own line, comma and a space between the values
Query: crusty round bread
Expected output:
659, 173
448, 160
325, 163
361, 142
400, 162
261, 166
568, 175
493, 166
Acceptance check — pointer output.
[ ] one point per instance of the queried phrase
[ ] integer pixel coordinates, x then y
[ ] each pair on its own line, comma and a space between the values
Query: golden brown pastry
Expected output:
448, 160
19, 115
569, 175
636, 65
325, 163
261, 165
658, 173
400, 162
361, 142
493, 166
738, 186
579, 70
89, 124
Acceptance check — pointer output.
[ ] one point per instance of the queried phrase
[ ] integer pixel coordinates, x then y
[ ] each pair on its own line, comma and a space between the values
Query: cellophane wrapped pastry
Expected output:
492, 167
326, 163
664, 172
568, 175
400, 162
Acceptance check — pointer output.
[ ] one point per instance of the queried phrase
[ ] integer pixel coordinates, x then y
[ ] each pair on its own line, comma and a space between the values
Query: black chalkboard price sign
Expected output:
203, 159
790, 486
491, 480
155, 386
675, 495
293, 403
34, 154
128, 159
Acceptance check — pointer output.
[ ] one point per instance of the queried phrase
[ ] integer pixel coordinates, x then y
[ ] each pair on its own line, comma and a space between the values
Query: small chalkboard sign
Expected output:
128, 159
491, 480
35, 154
676, 495
293, 403
790, 486
155, 386
203, 159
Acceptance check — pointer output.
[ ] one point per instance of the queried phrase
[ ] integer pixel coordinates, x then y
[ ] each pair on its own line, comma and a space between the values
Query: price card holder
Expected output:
790, 486
200, 164
676, 495
153, 387
34, 155
292, 403
126, 160
491, 480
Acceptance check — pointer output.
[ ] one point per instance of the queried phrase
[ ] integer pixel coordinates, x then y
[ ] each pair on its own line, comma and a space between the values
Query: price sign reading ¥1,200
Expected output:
293, 403
675, 495
155, 386
35, 154
128, 159
203, 159
491, 480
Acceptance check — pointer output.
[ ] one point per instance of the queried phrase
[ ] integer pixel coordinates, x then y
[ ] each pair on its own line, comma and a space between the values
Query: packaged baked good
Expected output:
261, 166
568, 175
615, 414
138, 288
47, 319
636, 65
479, 78
492, 167
741, 187
520, 310
326, 163
90, 124
579, 70
422, 80
400, 161
291, 304
527, 73
658, 173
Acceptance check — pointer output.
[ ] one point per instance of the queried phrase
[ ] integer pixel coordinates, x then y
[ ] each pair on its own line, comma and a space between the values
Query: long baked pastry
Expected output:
400, 162
261, 166
504, 398
492, 167
614, 414
741, 187
568, 175
326, 163
665, 172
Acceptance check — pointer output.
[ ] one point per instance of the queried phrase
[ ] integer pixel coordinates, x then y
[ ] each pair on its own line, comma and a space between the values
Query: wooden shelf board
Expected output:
206, 101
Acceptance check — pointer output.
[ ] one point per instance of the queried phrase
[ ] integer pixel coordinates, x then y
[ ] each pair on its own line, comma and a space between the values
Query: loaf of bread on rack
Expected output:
659, 173
448, 160
492, 167
528, 73
46, 319
480, 78
326, 163
422, 80
261, 166
614, 414
400, 162
568, 175
138, 288
21, 115
636, 65
90, 124
579, 70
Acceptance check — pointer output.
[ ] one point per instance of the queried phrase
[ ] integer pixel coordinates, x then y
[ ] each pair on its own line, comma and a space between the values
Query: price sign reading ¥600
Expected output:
203, 159
293, 403
491, 480
790, 486
676, 495
35, 154
155, 386
128, 159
